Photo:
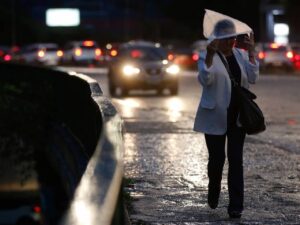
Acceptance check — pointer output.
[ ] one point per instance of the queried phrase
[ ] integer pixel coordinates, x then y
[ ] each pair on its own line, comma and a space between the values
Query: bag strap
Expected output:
228, 69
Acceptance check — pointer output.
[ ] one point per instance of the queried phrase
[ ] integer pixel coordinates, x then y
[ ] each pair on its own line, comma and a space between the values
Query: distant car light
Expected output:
297, 57
261, 55
274, 45
59, 53
289, 54
108, 46
41, 53
165, 62
195, 57
136, 53
130, 70
7, 58
173, 69
170, 57
98, 52
113, 52
78, 52
88, 43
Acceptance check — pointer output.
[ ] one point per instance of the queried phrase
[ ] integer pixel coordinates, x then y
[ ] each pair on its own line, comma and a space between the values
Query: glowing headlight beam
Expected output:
129, 70
165, 62
173, 69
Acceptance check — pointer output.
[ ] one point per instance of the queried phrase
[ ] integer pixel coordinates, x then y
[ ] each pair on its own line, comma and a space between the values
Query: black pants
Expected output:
216, 150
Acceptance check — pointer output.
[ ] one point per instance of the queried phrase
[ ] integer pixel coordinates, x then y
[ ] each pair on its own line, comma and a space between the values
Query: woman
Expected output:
217, 114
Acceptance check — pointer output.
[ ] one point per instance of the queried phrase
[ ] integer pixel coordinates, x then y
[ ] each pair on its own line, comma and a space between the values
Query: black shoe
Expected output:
213, 205
235, 214
213, 198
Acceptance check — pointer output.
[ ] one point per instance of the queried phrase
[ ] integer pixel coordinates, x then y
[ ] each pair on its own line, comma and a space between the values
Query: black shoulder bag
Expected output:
251, 116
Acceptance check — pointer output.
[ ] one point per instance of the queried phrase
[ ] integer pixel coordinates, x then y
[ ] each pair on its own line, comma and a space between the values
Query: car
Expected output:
275, 56
185, 57
183, 54
86, 52
47, 54
142, 65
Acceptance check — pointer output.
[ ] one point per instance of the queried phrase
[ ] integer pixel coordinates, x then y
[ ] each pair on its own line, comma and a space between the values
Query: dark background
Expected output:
23, 21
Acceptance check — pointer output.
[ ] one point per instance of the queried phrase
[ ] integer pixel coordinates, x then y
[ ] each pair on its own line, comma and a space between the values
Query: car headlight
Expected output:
129, 70
173, 69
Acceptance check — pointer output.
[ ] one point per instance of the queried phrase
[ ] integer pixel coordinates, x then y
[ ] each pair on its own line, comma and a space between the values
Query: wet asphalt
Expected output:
165, 161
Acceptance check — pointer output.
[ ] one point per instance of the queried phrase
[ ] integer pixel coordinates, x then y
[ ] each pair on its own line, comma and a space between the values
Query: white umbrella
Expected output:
211, 18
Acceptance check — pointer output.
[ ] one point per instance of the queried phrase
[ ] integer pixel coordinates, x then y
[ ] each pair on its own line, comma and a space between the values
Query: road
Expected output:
166, 161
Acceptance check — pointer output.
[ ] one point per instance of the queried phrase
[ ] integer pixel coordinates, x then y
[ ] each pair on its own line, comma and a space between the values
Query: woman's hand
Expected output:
249, 41
211, 48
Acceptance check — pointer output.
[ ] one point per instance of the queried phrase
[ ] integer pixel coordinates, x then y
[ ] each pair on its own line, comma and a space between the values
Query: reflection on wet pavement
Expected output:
167, 160
166, 109
166, 154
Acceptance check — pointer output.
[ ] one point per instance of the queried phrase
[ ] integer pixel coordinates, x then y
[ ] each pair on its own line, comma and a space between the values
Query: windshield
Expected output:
51, 49
276, 49
143, 53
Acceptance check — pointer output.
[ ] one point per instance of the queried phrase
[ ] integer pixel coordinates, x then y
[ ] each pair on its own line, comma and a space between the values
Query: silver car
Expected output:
275, 56
41, 53
82, 53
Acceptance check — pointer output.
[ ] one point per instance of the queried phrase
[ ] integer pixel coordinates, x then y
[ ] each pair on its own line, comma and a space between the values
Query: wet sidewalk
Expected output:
168, 170
166, 161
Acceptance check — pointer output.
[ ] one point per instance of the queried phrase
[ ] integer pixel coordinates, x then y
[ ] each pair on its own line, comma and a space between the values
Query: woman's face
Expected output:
226, 44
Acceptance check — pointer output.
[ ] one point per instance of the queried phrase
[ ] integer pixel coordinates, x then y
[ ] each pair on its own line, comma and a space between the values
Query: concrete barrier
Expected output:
77, 137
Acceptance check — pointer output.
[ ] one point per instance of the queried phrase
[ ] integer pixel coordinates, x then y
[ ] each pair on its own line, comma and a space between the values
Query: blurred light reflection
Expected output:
187, 161
82, 213
128, 107
175, 107
130, 149
82, 210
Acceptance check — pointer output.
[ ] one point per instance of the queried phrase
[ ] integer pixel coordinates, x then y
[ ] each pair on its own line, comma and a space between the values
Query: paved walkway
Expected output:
166, 162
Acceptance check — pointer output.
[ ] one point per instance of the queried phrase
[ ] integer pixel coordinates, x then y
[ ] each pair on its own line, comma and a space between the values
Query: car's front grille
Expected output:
153, 71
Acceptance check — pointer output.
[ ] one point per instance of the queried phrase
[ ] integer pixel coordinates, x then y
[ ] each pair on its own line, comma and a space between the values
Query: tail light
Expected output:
296, 61
113, 53
261, 55
88, 43
78, 52
59, 53
98, 52
274, 45
7, 58
195, 57
36, 209
170, 57
289, 55
135, 53
41, 53
296, 57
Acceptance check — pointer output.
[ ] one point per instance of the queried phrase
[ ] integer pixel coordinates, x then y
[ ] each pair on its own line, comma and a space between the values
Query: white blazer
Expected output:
211, 116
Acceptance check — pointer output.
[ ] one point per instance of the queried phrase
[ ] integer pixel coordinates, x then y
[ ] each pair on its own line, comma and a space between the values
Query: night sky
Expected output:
118, 20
